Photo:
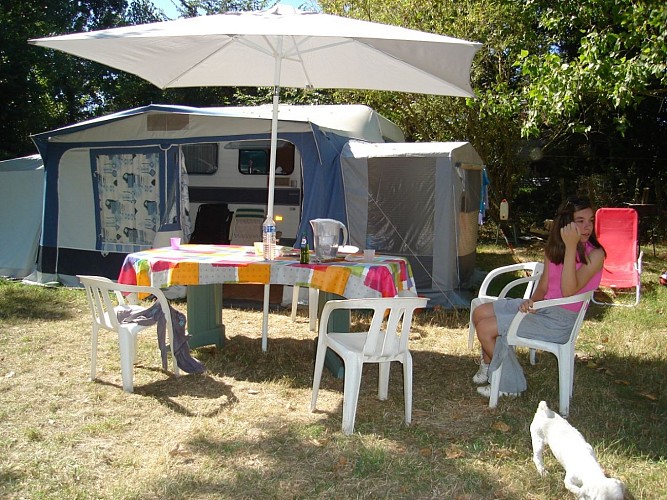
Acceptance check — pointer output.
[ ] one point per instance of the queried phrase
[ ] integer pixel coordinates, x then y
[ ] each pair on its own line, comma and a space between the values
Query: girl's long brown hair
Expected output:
555, 249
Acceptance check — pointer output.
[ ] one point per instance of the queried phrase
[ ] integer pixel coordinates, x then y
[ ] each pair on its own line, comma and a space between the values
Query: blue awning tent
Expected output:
78, 157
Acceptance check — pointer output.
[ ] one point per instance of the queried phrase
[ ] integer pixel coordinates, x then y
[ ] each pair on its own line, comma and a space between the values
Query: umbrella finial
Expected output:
282, 9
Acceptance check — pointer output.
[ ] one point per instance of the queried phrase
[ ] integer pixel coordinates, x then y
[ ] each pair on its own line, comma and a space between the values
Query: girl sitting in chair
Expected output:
573, 261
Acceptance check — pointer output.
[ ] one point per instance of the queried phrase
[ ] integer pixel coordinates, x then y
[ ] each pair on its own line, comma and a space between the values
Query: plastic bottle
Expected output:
504, 210
269, 238
304, 256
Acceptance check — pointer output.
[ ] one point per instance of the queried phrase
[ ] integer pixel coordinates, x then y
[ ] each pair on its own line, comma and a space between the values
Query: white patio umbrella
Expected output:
278, 47
281, 46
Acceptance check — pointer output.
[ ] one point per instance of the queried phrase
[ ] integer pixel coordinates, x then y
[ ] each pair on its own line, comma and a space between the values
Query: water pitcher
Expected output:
326, 237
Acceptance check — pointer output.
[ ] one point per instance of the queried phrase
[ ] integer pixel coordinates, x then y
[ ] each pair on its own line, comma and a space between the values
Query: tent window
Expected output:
201, 159
472, 189
163, 122
254, 158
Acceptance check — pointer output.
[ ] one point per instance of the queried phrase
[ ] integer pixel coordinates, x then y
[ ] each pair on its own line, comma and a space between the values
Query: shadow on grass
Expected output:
21, 302
209, 397
621, 402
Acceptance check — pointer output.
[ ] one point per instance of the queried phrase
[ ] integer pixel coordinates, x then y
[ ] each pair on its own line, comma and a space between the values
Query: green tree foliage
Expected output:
192, 8
42, 89
570, 89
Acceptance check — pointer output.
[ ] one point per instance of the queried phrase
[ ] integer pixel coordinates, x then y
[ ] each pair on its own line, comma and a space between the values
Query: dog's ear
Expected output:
545, 408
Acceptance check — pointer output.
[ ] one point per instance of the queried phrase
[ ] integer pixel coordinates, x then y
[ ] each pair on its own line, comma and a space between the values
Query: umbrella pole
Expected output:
274, 126
272, 178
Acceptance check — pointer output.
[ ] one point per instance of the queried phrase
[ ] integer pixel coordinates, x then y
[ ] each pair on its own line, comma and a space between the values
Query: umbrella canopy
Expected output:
278, 47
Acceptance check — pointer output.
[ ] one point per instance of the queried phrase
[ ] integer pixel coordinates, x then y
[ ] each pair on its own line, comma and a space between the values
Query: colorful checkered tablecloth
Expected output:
386, 276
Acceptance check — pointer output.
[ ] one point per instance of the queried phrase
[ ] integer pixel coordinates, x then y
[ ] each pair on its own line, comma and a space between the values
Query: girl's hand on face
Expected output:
570, 234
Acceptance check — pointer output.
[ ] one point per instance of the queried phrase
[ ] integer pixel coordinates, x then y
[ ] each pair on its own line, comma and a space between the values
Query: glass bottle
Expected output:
304, 255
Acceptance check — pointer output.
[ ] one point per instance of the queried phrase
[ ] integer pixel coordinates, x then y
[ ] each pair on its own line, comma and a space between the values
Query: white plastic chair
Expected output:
563, 352
246, 226
100, 291
377, 345
534, 268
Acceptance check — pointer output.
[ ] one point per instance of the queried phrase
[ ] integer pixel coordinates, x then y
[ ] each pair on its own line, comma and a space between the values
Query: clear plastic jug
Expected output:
326, 237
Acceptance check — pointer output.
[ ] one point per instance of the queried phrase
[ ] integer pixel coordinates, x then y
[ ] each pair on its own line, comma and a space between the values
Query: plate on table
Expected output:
347, 249
355, 258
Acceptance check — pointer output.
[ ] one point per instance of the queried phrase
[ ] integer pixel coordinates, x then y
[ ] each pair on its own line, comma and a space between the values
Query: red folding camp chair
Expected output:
617, 231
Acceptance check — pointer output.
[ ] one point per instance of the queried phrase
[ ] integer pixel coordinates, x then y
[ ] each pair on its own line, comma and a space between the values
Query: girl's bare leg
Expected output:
486, 327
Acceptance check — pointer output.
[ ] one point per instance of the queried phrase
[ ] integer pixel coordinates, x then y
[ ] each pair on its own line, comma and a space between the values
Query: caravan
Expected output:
120, 183
115, 183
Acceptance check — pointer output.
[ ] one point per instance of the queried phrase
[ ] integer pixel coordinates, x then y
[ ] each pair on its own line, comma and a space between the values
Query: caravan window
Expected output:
254, 157
201, 159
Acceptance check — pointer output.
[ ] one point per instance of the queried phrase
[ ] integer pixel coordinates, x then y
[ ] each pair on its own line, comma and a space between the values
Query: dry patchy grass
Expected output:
244, 429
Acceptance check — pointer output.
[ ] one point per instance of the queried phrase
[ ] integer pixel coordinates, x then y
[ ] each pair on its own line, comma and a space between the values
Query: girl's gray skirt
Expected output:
551, 324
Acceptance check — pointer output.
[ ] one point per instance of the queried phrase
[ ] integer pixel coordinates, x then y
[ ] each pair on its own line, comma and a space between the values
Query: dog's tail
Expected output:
547, 411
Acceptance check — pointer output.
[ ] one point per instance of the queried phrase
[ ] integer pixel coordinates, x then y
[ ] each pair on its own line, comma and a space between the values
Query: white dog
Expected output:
583, 475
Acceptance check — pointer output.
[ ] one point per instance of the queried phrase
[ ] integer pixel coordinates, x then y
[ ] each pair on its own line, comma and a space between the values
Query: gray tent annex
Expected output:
421, 201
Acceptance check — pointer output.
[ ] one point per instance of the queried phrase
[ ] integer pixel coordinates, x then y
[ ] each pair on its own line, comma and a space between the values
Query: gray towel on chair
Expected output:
153, 315
512, 379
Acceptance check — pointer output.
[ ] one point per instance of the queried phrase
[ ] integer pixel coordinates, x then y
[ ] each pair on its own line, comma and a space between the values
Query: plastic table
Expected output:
211, 266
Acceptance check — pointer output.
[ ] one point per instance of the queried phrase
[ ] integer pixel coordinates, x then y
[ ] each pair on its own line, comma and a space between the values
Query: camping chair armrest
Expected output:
572, 299
142, 289
584, 297
151, 290
524, 266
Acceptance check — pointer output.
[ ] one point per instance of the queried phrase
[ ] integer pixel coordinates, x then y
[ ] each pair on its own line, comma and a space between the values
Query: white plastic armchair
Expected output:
534, 268
564, 352
382, 343
100, 293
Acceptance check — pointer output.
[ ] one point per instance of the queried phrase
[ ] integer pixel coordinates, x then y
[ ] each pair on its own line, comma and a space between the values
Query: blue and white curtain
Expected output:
128, 189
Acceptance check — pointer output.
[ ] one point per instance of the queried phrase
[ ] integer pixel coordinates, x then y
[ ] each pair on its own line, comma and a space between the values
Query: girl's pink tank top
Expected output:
553, 285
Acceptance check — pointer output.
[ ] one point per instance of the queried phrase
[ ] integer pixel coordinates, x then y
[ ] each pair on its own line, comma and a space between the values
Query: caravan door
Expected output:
236, 173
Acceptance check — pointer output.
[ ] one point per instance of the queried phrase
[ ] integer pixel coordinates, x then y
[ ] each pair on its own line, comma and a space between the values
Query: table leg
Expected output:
265, 318
205, 316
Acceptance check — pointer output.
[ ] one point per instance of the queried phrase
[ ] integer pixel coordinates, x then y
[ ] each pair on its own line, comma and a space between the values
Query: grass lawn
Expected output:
244, 429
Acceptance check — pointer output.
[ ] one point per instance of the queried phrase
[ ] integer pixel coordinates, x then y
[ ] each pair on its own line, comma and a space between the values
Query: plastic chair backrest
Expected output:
617, 231
388, 335
98, 291
247, 226
534, 268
